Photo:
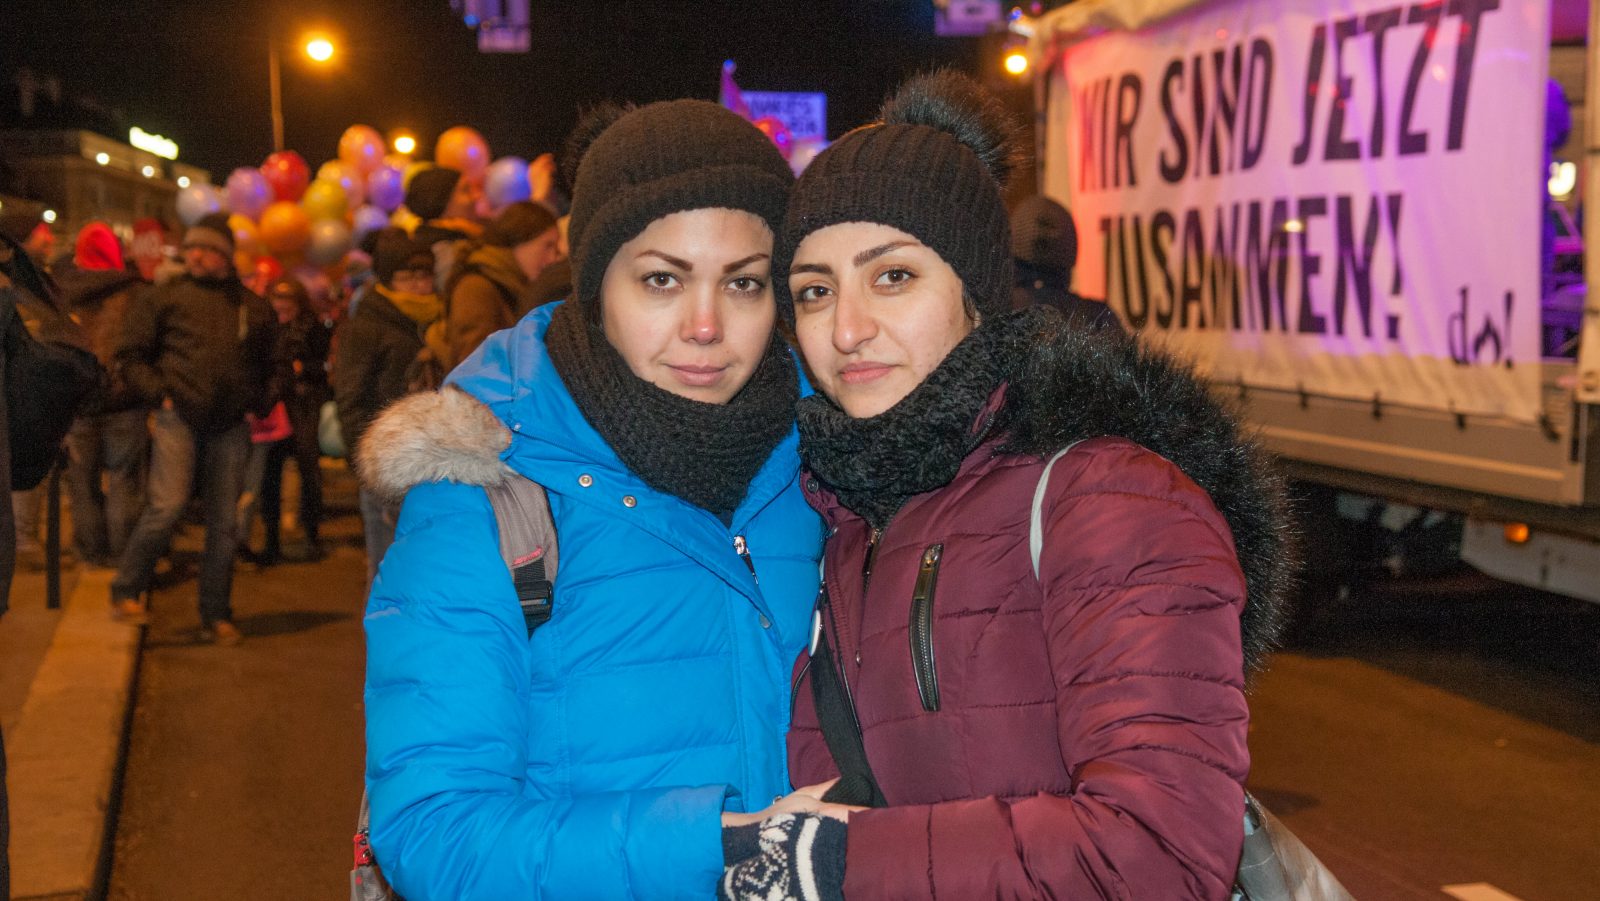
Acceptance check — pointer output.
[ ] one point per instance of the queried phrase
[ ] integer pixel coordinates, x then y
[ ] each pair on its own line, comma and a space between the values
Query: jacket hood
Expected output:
505, 409
431, 436
86, 288
1075, 383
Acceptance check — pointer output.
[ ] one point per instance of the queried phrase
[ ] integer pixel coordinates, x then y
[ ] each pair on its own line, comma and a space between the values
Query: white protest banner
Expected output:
1340, 197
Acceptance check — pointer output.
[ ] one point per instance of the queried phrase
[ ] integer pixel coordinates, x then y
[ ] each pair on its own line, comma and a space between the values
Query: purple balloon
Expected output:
507, 181
367, 219
386, 188
248, 192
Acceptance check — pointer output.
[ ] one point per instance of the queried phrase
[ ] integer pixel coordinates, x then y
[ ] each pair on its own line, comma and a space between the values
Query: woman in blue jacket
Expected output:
601, 757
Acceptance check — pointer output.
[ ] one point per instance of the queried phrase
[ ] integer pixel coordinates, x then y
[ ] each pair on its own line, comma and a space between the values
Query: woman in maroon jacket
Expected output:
1072, 732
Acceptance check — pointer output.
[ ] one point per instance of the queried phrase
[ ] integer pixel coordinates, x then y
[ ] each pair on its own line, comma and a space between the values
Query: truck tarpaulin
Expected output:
1340, 197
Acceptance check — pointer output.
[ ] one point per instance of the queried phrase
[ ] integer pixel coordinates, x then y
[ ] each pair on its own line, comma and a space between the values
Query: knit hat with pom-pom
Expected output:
634, 166
933, 167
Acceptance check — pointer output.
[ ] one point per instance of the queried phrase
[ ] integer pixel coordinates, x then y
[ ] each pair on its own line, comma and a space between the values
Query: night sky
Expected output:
196, 72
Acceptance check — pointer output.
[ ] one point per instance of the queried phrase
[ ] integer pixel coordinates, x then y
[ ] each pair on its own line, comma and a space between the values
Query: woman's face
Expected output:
876, 311
688, 303
533, 256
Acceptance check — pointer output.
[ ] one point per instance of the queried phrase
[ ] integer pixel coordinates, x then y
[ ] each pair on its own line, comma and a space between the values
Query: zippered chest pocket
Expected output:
923, 664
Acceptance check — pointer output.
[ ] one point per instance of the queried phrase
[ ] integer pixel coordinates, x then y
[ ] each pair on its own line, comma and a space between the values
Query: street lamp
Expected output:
318, 49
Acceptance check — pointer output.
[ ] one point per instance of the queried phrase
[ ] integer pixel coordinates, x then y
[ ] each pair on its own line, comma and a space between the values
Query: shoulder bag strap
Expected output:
1036, 522
527, 544
840, 729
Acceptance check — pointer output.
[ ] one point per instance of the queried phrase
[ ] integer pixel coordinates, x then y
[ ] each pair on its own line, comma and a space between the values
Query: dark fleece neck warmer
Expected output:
874, 465
703, 453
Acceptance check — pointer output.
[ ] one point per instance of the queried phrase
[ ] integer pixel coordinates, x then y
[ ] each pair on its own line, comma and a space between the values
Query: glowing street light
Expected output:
319, 49
405, 145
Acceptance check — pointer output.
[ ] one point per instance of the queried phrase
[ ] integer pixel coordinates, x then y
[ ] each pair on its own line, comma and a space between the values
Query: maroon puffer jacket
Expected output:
1088, 737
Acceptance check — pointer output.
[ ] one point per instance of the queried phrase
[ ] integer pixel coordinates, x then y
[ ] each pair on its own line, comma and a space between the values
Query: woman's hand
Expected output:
802, 800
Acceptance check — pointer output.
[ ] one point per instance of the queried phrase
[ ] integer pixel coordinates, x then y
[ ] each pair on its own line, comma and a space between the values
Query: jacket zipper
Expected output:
921, 628
742, 548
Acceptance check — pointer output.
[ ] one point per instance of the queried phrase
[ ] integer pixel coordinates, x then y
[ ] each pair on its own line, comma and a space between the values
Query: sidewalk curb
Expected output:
68, 749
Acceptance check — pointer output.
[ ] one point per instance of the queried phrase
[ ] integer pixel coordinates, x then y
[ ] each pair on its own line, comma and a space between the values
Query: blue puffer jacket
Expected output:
595, 759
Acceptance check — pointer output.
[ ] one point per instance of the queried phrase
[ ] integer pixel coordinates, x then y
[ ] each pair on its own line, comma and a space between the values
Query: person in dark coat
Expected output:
381, 349
110, 441
303, 343
1114, 672
199, 349
482, 294
1044, 249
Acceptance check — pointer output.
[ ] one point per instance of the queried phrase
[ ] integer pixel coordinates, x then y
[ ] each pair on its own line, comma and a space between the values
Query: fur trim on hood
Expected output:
1077, 383
432, 436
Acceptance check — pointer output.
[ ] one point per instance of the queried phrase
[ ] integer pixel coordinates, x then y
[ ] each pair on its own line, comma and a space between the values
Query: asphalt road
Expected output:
1443, 734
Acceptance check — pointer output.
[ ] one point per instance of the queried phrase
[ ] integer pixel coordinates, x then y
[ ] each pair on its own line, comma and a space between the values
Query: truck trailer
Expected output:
1360, 220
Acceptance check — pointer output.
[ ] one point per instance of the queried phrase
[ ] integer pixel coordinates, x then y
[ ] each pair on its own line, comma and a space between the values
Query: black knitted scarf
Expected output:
876, 464
703, 453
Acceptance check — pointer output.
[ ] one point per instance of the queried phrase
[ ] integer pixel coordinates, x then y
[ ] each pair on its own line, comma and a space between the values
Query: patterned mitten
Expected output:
801, 859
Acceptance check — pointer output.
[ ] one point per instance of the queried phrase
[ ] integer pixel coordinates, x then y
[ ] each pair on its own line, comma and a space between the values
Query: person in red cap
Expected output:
110, 438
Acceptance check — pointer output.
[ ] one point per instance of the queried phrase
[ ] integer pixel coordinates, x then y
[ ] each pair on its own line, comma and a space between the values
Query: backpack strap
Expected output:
527, 544
1036, 523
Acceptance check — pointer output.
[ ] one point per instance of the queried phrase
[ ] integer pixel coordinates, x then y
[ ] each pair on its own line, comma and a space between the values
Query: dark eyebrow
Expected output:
867, 256
818, 268
740, 264
685, 265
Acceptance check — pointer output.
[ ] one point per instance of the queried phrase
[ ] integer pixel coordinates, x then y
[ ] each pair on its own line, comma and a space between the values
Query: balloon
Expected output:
284, 227
361, 148
386, 188
777, 132
330, 239
287, 173
324, 200
352, 182
507, 182
246, 236
196, 201
248, 192
368, 219
463, 149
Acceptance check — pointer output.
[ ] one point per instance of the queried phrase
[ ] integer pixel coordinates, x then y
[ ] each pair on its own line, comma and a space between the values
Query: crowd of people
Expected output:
1049, 558
217, 378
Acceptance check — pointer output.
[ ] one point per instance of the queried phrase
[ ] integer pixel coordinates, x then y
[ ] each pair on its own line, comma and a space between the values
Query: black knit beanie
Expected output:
395, 250
429, 192
932, 167
700, 156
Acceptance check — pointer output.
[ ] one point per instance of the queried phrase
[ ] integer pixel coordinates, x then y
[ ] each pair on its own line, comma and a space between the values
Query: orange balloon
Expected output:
361, 148
463, 149
284, 227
